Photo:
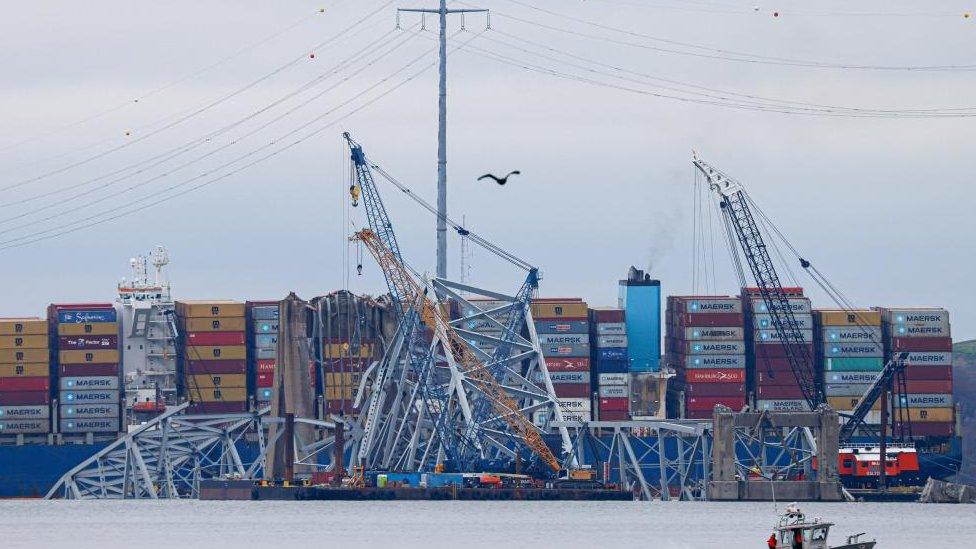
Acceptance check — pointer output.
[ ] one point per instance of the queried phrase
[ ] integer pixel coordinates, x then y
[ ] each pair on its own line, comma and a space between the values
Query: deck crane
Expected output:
734, 204
416, 311
735, 208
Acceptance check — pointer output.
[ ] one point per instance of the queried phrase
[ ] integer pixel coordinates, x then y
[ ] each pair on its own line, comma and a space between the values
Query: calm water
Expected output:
460, 525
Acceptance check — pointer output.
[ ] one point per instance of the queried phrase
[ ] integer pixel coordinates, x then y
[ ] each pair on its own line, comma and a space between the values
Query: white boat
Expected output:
795, 531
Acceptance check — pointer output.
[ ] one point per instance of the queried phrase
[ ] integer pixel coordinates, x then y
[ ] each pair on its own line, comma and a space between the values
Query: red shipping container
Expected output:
79, 370
774, 365
572, 390
266, 366
929, 386
928, 373
715, 389
778, 377
39, 383
708, 403
217, 407
609, 316
725, 375
88, 342
765, 351
348, 365
700, 414
931, 429
266, 379
614, 404
341, 406
770, 392
215, 338
568, 364
614, 415
709, 320
24, 398
195, 367
933, 344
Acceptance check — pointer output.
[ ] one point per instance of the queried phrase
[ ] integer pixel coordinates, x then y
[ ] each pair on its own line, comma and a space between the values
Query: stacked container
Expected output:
773, 383
705, 347
925, 334
851, 356
86, 340
262, 319
25, 397
214, 356
608, 341
563, 328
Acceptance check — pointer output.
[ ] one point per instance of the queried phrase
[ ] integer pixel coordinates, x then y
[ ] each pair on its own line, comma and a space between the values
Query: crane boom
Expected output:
894, 367
475, 371
735, 206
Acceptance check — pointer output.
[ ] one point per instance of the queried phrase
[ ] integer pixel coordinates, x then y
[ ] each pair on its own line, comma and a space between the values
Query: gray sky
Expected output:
883, 206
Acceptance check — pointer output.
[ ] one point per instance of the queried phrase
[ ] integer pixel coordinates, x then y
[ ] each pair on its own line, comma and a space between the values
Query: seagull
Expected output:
500, 180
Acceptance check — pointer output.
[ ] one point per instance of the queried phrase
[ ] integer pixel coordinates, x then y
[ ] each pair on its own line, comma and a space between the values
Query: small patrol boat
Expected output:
795, 531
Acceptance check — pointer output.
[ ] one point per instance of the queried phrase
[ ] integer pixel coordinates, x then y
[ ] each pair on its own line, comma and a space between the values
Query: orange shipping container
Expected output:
13, 356
23, 342
562, 309
209, 309
218, 394
210, 381
25, 369
89, 357
848, 403
925, 415
859, 317
344, 350
92, 328
211, 352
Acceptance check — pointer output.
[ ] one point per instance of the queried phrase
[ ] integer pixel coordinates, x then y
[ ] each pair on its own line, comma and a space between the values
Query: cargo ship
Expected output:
94, 369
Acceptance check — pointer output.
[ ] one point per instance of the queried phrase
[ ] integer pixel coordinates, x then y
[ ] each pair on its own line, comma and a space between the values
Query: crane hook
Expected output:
359, 269
354, 193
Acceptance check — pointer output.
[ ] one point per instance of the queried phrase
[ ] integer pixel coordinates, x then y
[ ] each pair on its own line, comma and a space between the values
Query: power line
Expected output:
93, 220
712, 53
358, 56
200, 110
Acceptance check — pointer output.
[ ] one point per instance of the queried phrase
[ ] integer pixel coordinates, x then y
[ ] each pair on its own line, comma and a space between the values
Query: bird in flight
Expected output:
500, 180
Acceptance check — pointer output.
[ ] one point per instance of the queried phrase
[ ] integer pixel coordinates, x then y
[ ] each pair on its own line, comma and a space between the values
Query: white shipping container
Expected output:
918, 317
606, 341
846, 389
765, 321
611, 328
902, 330
68, 411
783, 405
716, 347
927, 400
864, 378
853, 334
612, 379
715, 361
105, 383
574, 404
563, 377
24, 426
614, 391
713, 305
90, 425
799, 305
564, 339
89, 397
923, 358
853, 350
713, 334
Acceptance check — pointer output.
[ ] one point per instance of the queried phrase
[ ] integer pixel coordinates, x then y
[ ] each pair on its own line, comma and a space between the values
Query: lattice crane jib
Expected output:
734, 204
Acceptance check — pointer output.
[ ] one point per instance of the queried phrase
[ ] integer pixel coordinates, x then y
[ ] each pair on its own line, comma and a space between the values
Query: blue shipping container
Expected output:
612, 366
266, 341
611, 354
72, 316
265, 312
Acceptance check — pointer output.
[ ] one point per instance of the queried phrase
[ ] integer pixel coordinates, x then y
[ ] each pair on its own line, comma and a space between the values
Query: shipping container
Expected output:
715, 389
928, 386
849, 403
25, 369
555, 364
928, 344
607, 315
713, 334
89, 357
25, 384
845, 389
605, 341
563, 327
222, 407
574, 404
23, 326
865, 378
342, 350
833, 317
778, 350
715, 361
609, 354
929, 359
765, 321
77, 370
264, 312
706, 304
933, 429
779, 392
265, 379
207, 382
264, 393
923, 415
265, 327
705, 320
799, 306
25, 412
209, 309
569, 350
611, 366
215, 339
90, 397
725, 375
23, 342
772, 336
104, 383
614, 391
713, 348
927, 400
265, 366
563, 377
89, 329
572, 390
87, 316
559, 310
89, 410
613, 415
929, 373
783, 405
920, 331
90, 425
917, 317
266, 341
231, 324
13, 356
266, 354
736, 403
95, 342
613, 379
611, 328
24, 426
223, 394
852, 335
869, 364
619, 403
209, 352
852, 350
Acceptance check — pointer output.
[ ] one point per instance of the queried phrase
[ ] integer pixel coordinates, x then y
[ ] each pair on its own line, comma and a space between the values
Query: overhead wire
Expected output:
361, 55
713, 53
120, 211
199, 110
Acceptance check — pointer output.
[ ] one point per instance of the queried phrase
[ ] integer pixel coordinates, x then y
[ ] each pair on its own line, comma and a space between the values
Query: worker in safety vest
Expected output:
771, 542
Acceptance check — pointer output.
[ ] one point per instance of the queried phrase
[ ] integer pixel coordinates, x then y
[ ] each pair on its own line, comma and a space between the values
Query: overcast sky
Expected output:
883, 206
